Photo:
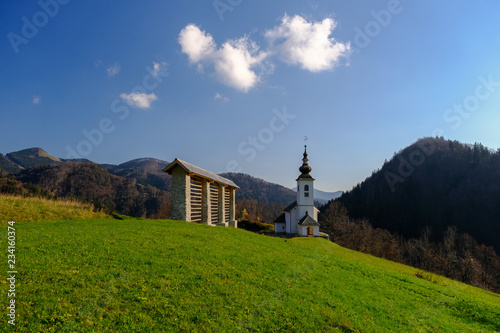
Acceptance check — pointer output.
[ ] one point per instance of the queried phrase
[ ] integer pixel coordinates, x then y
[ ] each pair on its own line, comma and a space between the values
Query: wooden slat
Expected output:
196, 190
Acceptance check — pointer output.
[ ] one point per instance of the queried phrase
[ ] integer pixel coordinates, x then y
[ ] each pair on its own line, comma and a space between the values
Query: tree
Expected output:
244, 215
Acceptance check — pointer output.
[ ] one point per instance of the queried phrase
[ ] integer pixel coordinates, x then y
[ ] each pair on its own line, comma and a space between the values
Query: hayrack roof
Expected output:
190, 168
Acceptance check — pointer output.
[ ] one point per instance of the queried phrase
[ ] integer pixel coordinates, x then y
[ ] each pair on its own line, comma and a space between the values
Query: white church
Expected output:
301, 217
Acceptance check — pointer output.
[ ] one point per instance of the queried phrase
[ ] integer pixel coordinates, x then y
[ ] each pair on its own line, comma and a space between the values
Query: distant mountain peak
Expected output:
322, 196
147, 164
39, 152
16, 161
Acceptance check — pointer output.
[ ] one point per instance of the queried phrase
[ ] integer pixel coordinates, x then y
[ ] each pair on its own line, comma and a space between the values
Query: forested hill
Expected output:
436, 183
146, 171
138, 187
90, 183
16, 161
260, 190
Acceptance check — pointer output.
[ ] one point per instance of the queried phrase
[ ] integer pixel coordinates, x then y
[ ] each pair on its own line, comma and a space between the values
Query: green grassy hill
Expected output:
16, 208
168, 276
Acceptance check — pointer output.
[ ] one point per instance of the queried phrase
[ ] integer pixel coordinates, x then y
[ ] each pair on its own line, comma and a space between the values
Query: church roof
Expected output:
305, 168
308, 221
190, 168
280, 219
290, 207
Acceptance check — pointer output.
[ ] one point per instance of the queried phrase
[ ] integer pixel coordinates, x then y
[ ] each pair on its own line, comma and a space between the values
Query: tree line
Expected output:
89, 183
433, 183
457, 256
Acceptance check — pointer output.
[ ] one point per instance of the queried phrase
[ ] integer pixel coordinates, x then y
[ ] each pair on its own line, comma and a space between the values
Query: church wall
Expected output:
287, 223
279, 228
311, 211
301, 198
303, 230
294, 219
316, 212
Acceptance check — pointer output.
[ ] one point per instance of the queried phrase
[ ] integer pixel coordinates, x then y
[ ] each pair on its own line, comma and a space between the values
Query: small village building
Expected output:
301, 217
201, 196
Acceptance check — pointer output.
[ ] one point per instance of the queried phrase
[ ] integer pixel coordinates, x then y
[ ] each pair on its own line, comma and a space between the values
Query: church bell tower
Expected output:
305, 189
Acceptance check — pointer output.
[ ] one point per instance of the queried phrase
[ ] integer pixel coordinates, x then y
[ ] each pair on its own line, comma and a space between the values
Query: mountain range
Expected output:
148, 172
431, 184
323, 197
139, 182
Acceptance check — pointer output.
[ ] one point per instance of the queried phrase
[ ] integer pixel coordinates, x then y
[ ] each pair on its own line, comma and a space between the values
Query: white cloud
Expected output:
221, 97
36, 99
159, 67
113, 70
197, 44
308, 44
234, 62
240, 64
139, 100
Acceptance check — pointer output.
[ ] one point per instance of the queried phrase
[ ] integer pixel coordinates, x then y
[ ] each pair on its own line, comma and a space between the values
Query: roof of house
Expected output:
190, 168
290, 207
280, 219
308, 221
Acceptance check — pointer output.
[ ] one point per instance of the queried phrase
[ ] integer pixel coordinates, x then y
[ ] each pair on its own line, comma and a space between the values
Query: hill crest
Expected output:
434, 183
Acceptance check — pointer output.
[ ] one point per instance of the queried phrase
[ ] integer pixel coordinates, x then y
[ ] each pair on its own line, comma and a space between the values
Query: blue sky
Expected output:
236, 85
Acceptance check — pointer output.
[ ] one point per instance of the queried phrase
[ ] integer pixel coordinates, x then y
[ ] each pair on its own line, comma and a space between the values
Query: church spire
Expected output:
305, 168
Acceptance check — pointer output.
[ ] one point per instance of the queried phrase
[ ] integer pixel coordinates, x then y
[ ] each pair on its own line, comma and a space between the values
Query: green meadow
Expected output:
15, 208
137, 275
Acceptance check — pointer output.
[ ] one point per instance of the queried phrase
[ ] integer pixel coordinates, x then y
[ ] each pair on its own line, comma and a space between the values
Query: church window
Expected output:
306, 187
306, 194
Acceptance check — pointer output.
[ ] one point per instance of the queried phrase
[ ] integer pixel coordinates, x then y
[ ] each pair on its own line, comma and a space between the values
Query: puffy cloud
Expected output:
239, 63
113, 70
139, 100
234, 62
197, 44
308, 44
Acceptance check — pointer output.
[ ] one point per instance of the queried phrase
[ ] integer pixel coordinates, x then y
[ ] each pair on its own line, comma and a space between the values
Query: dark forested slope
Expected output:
433, 183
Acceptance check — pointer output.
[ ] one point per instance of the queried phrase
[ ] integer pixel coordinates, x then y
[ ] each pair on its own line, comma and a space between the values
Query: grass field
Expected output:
135, 275
15, 208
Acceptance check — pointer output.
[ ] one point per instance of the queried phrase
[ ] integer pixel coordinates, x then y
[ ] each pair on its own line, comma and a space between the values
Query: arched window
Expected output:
306, 187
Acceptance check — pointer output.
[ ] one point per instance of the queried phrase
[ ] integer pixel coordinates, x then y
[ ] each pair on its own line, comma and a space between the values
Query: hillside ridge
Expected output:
186, 277
433, 183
